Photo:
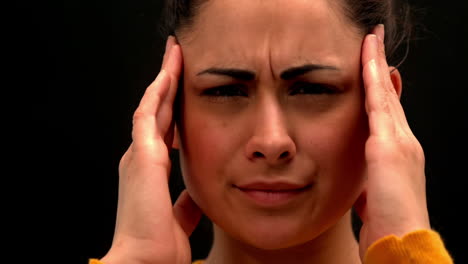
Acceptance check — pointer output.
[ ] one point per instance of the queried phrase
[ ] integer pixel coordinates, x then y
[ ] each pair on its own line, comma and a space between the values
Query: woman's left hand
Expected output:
394, 197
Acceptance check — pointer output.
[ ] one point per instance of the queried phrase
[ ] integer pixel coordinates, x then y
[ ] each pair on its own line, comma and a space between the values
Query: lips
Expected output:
272, 186
272, 194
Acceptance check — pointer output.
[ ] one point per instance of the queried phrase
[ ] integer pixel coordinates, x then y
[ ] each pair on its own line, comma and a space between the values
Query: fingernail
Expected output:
380, 31
168, 44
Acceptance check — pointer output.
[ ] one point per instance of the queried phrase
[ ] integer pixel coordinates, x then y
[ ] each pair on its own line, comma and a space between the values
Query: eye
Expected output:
310, 88
226, 91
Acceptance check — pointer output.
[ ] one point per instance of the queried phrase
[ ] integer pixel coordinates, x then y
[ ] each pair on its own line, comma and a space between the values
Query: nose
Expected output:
270, 142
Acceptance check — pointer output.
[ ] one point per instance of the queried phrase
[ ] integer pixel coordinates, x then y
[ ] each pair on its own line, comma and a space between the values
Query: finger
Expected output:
187, 212
173, 67
377, 102
165, 113
382, 59
395, 106
386, 115
379, 31
380, 55
170, 63
144, 119
147, 123
170, 42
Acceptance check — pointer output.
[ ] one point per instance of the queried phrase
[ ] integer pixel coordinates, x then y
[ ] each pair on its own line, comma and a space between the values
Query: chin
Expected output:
275, 235
276, 240
272, 243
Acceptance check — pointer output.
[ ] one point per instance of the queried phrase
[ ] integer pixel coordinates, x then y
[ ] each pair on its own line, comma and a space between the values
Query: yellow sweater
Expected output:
417, 247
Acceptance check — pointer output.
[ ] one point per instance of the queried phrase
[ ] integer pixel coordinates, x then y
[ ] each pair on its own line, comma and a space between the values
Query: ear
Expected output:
175, 139
396, 80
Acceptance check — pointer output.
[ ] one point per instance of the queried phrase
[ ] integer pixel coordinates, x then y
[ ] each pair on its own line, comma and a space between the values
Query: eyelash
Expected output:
226, 91
238, 90
315, 88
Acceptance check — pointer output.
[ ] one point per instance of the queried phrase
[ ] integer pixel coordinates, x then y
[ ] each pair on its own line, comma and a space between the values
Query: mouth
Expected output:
272, 195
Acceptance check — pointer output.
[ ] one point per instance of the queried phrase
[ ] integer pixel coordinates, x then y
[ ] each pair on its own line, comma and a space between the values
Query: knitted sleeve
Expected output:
420, 246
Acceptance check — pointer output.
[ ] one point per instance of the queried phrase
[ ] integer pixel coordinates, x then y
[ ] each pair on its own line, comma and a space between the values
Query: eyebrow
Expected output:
288, 74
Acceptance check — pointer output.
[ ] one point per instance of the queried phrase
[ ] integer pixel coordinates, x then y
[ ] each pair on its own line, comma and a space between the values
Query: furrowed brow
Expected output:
295, 72
239, 74
288, 74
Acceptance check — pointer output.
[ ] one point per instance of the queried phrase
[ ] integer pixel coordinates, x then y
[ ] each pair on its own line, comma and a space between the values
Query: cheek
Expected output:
344, 136
204, 143
340, 149
208, 144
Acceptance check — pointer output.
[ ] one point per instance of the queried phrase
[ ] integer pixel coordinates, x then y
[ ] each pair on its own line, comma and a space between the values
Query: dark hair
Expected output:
178, 15
395, 15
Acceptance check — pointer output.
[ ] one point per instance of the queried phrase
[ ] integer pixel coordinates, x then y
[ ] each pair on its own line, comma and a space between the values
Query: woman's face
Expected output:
273, 121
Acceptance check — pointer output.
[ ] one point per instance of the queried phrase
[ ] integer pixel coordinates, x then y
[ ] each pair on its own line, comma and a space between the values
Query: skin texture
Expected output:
350, 147
323, 134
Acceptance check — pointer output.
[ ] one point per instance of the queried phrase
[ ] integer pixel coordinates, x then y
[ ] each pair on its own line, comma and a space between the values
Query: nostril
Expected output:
257, 154
284, 154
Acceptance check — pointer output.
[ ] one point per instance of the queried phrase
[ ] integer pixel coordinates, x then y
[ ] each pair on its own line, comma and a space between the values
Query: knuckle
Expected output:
413, 151
138, 115
419, 152
124, 160
399, 150
122, 164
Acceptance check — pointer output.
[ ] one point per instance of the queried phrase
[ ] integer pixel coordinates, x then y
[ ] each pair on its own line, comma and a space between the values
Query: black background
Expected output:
103, 54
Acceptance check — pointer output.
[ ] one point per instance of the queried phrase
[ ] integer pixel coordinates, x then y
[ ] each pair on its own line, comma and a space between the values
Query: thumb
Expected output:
187, 212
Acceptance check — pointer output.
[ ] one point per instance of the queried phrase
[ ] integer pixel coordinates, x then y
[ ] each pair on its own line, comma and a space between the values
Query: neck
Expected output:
336, 245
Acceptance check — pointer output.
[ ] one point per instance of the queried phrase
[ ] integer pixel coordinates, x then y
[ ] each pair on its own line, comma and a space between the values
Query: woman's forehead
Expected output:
253, 33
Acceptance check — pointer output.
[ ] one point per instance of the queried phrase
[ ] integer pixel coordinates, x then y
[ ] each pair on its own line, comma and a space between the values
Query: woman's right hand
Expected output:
148, 228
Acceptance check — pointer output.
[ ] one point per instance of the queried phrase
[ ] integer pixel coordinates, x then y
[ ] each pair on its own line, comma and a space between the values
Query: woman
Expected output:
288, 116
